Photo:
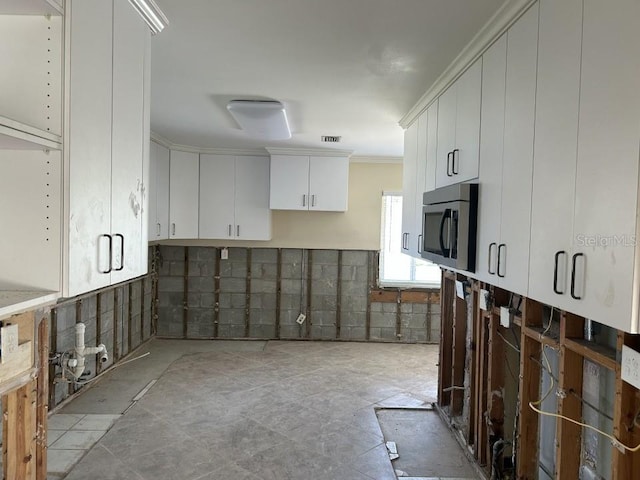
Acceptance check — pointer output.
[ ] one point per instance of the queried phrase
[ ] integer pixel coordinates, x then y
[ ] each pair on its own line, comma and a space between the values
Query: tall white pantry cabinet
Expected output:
107, 143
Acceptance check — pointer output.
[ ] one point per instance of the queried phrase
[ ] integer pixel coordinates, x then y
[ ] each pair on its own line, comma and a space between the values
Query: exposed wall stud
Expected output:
185, 300
307, 323
278, 292
247, 305
216, 295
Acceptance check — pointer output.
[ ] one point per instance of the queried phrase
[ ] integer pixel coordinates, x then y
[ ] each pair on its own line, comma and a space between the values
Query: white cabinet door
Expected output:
421, 179
127, 142
409, 167
494, 68
607, 170
158, 192
162, 192
446, 136
217, 190
289, 179
517, 168
555, 151
89, 147
328, 183
467, 146
252, 213
183, 195
432, 147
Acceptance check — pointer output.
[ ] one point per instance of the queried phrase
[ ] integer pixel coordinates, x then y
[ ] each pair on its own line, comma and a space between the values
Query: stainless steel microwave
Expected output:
449, 225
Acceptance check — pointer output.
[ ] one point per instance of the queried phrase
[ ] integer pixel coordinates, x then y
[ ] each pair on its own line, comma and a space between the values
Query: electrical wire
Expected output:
508, 342
533, 405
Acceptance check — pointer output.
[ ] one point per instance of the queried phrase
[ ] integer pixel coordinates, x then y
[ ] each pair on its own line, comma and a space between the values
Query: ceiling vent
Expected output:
330, 138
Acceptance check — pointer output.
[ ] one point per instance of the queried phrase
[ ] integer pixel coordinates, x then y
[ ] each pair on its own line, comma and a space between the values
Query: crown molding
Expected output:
366, 159
261, 152
309, 151
496, 26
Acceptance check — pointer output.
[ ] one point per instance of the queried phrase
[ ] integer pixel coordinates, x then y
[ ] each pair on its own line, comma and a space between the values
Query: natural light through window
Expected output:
396, 268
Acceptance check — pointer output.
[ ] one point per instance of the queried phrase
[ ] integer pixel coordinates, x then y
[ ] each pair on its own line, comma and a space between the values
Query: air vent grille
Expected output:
331, 138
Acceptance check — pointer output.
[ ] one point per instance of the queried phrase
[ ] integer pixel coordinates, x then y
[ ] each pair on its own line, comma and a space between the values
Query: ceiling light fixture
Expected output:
151, 14
265, 119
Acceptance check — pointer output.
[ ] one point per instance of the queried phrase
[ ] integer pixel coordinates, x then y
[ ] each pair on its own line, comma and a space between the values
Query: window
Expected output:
397, 269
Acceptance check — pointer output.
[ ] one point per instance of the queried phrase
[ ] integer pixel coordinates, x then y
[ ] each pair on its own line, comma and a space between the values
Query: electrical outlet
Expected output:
485, 301
301, 318
505, 317
224, 254
8, 342
630, 366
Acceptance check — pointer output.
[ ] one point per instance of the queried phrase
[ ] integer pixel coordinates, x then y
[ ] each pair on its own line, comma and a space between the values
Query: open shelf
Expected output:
19, 136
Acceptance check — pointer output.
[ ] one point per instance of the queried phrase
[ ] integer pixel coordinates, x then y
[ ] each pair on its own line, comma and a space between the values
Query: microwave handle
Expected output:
446, 214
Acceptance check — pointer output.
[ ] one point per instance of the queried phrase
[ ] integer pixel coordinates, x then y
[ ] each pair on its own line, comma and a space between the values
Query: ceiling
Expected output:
341, 67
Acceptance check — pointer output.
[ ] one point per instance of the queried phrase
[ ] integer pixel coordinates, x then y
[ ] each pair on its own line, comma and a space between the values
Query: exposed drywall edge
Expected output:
366, 159
496, 26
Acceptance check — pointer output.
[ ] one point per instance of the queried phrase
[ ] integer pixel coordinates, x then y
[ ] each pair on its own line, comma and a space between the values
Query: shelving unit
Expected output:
31, 52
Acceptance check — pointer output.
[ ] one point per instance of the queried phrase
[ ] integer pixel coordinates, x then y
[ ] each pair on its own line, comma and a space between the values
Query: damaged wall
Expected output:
120, 317
260, 292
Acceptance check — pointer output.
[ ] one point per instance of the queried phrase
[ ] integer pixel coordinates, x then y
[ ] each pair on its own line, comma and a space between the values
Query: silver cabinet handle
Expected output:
173, 229
419, 243
110, 238
237, 230
455, 154
121, 267
158, 229
304, 200
230, 227
313, 200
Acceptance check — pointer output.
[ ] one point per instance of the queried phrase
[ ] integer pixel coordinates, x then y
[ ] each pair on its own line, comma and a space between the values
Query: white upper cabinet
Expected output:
506, 156
458, 134
300, 182
90, 100
517, 167
289, 179
604, 266
252, 212
555, 151
432, 148
410, 205
158, 192
183, 194
329, 183
108, 81
234, 197
131, 42
494, 69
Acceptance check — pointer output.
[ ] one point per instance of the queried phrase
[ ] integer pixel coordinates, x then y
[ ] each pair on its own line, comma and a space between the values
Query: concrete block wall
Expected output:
260, 292
124, 315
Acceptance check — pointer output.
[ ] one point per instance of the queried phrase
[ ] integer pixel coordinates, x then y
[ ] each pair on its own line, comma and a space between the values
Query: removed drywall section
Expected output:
262, 292
120, 317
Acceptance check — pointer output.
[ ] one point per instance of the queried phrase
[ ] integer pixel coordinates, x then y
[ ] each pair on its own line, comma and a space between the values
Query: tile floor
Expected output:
253, 410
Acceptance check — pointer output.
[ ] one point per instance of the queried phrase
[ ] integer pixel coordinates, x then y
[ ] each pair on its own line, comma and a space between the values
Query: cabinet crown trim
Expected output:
317, 152
496, 26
